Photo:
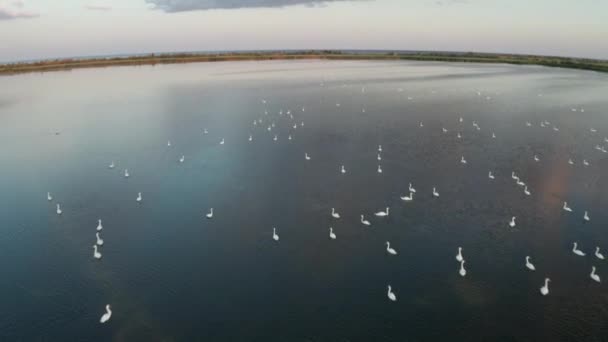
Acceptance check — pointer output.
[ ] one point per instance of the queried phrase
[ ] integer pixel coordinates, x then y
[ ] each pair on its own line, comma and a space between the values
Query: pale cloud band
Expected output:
193, 5
14, 10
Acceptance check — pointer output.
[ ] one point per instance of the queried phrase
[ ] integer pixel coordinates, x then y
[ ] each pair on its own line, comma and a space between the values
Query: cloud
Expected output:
450, 2
193, 5
14, 10
95, 7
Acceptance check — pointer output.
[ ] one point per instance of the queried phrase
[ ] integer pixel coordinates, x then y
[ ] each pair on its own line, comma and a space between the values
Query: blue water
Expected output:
172, 275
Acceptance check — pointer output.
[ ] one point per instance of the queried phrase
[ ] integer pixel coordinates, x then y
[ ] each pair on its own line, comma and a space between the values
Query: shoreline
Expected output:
153, 59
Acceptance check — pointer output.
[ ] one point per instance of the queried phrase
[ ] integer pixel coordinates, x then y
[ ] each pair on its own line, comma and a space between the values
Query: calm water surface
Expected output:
172, 275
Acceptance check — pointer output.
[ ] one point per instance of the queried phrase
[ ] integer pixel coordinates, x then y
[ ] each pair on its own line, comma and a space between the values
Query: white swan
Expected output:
555, 129
99, 240
289, 137
421, 125
570, 162
389, 249
275, 137
526, 191
111, 166
459, 257
364, 221
379, 169
49, 197
205, 131
598, 254
382, 213
577, 251
169, 143
444, 130
106, 316
585, 162
462, 271
59, 211
379, 148
435, 193
460, 120
334, 214
342, 169
126, 173
379, 157
182, 158
529, 265
490, 175
566, 207
411, 188
391, 295
462, 160
99, 226
593, 275
408, 198
545, 289
138, 199
458, 136
96, 253
275, 236
528, 124
332, 235
536, 158
210, 214
306, 156
250, 137
493, 135
222, 142
512, 222
586, 216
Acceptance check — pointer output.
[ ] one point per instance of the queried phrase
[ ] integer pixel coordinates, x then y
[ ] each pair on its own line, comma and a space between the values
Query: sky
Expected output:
41, 29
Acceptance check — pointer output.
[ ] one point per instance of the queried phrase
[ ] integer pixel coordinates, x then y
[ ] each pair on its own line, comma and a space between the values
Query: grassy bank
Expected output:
67, 64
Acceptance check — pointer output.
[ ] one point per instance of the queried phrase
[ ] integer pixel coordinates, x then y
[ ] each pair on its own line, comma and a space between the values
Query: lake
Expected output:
171, 274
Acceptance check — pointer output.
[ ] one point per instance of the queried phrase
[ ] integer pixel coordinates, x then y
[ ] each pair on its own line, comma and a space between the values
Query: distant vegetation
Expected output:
72, 63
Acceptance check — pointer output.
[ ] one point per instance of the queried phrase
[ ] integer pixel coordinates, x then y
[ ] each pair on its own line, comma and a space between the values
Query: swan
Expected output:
342, 169
536, 158
126, 173
545, 289
528, 124
382, 213
458, 135
169, 143
542, 124
250, 137
512, 223
555, 129
493, 135
462, 160
269, 128
586, 217
332, 235
421, 125
529, 265
490, 175
444, 130
96, 253
306, 156
585, 162
106, 316
111, 166
379, 148
49, 197
302, 124
411, 188
275, 138
182, 158
138, 199
379, 157
462, 271
210, 214
566, 207
205, 131
592, 130
435, 193
334, 214
255, 122
459, 257
389, 249
59, 212
577, 251
99, 226
598, 254
275, 236
570, 162
391, 295
99, 240
526, 191
364, 221
593, 275
295, 126
408, 198
222, 142
379, 169
460, 120
289, 137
